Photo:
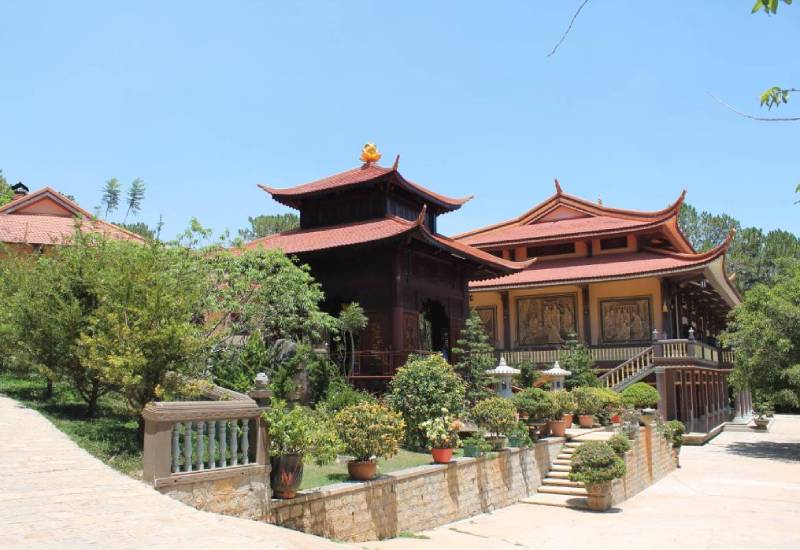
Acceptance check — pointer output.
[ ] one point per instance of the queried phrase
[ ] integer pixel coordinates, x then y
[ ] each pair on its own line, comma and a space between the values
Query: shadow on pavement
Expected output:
783, 452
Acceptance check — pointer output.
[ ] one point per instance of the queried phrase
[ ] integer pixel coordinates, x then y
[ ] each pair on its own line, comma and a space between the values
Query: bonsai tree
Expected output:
369, 431
611, 404
596, 465
641, 396
588, 401
497, 415
528, 374
564, 403
673, 431
473, 354
420, 390
576, 358
535, 403
620, 444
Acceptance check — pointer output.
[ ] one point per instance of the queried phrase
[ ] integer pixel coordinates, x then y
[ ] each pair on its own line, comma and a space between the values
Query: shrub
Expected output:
340, 395
673, 431
478, 441
421, 389
576, 358
496, 414
521, 433
640, 396
596, 462
564, 403
442, 432
369, 430
474, 357
536, 403
528, 374
620, 444
611, 404
300, 430
588, 400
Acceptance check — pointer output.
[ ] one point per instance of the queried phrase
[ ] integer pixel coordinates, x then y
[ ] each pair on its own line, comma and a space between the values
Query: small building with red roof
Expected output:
370, 236
45, 218
628, 284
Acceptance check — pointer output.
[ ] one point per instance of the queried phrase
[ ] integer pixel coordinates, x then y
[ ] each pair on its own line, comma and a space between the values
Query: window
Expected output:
613, 243
551, 250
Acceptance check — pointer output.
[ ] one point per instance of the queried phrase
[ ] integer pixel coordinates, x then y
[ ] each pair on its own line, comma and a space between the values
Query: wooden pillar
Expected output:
397, 305
666, 316
506, 320
587, 327
661, 386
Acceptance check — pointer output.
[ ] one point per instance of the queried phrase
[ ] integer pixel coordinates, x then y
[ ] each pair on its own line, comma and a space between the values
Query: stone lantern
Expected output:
262, 393
502, 375
557, 376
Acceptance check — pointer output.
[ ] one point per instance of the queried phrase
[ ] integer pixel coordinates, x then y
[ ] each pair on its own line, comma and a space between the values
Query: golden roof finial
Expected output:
370, 154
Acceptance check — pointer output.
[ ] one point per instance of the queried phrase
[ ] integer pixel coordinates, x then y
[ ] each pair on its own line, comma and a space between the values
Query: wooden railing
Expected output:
550, 355
630, 369
381, 364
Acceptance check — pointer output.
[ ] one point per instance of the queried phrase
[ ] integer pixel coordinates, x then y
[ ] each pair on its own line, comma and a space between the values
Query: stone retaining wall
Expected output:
651, 457
418, 498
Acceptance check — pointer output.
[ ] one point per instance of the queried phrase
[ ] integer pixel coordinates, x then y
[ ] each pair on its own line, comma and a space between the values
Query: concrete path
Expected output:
741, 490
53, 494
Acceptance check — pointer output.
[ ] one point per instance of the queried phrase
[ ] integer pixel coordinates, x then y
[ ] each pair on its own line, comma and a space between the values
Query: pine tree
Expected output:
135, 198
110, 199
576, 358
474, 355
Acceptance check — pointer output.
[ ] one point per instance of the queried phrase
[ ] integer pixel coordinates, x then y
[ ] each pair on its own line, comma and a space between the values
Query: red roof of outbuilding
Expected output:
362, 175
33, 229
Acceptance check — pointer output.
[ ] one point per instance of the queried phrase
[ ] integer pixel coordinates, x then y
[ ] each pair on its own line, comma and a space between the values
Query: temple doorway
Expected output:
434, 328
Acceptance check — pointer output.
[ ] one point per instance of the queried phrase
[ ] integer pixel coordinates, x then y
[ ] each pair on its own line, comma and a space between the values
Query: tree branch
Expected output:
569, 27
751, 117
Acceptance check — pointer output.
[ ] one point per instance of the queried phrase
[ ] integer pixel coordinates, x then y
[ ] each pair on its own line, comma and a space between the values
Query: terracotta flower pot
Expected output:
761, 423
616, 419
498, 443
442, 456
544, 429
286, 475
567, 418
585, 420
362, 470
599, 496
558, 428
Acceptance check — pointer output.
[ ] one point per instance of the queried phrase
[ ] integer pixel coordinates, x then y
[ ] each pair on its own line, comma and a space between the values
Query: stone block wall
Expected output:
239, 491
650, 458
418, 498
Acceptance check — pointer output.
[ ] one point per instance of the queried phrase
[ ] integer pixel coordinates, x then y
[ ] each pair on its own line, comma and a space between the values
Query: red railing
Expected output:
381, 364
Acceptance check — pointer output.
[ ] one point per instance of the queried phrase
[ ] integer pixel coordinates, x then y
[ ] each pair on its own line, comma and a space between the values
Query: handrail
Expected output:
627, 370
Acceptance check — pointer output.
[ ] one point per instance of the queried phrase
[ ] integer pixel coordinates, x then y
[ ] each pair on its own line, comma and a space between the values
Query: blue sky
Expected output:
205, 100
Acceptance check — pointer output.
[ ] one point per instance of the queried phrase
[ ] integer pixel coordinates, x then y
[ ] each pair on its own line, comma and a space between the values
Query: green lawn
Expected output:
111, 437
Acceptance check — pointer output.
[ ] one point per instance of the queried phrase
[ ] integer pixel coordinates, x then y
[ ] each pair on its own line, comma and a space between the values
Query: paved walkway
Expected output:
741, 490
55, 495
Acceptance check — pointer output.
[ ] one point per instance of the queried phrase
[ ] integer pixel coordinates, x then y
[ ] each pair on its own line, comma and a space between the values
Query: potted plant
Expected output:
588, 402
442, 435
296, 434
498, 416
475, 445
673, 431
760, 410
620, 444
643, 397
368, 431
596, 465
563, 404
537, 404
518, 437
611, 405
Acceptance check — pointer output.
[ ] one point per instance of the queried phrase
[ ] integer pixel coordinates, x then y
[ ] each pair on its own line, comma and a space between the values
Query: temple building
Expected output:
628, 284
36, 221
370, 236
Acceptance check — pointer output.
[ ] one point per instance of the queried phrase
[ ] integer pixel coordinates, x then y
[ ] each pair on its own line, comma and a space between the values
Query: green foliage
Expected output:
237, 370
596, 462
497, 415
340, 395
673, 431
536, 403
474, 357
620, 444
765, 332
134, 198
774, 97
528, 374
521, 434
111, 195
576, 358
6, 194
611, 405
299, 430
770, 6
370, 430
588, 400
564, 403
262, 226
441, 432
478, 441
321, 373
352, 320
421, 389
640, 395
140, 228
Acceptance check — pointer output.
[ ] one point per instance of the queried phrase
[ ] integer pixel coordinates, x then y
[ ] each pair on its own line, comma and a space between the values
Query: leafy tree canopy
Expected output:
6, 194
261, 226
474, 356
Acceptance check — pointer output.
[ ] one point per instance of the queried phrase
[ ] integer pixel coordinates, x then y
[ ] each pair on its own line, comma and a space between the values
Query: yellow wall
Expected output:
634, 288
483, 299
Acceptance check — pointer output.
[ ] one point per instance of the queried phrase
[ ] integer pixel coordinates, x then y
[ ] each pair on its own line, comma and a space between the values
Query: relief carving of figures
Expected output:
545, 319
626, 320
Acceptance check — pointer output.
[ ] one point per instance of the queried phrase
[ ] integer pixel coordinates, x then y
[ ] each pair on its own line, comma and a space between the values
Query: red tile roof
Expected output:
44, 193
608, 267
33, 229
357, 176
567, 228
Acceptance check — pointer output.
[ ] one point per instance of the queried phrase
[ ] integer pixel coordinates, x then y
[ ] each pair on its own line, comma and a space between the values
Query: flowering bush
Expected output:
369, 430
496, 414
300, 430
442, 432
596, 462
641, 396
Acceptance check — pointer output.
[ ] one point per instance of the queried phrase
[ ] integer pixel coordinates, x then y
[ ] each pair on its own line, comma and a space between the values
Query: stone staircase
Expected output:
556, 488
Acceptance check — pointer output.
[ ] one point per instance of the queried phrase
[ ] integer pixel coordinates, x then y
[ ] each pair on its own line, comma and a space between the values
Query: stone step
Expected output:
557, 475
561, 482
564, 456
564, 501
560, 468
573, 444
563, 461
558, 490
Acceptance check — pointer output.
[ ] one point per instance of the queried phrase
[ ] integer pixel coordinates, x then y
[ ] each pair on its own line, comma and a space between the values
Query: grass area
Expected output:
111, 437
317, 476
